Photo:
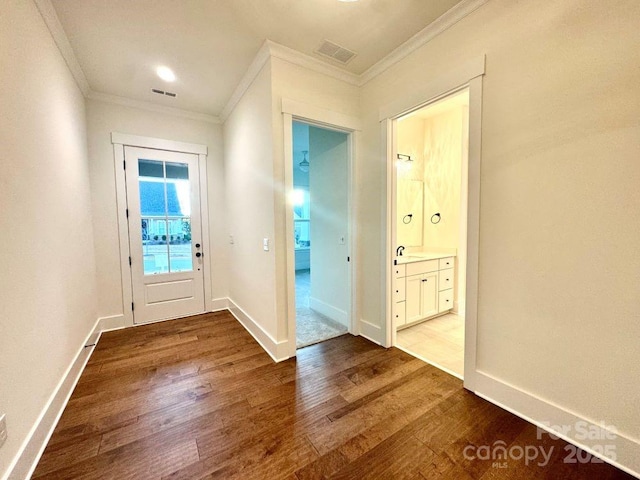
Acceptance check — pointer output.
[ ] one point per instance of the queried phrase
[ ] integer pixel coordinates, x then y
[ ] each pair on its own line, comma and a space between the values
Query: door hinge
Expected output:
129, 261
127, 212
124, 164
348, 259
132, 306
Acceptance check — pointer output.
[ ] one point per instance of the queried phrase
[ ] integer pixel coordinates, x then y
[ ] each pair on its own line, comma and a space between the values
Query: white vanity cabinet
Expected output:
421, 296
399, 295
422, 289
445, 289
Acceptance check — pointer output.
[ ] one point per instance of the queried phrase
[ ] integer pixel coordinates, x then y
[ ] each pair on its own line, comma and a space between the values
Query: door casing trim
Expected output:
121, 140
319, 117
469, 75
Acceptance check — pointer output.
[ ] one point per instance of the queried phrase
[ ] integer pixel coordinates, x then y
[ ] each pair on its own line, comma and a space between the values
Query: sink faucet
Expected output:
399, 251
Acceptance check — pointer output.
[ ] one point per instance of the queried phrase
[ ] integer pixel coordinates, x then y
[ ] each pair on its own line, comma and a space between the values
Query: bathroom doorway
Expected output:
431, 190
320, 227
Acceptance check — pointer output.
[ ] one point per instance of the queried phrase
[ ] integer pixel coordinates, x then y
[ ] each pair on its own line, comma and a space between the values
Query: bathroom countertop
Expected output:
421, 257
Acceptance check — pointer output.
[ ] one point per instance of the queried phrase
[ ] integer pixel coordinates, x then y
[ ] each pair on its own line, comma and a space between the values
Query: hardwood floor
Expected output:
198, 398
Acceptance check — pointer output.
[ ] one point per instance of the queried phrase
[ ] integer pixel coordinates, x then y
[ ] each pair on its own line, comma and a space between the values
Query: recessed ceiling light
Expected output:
166, 74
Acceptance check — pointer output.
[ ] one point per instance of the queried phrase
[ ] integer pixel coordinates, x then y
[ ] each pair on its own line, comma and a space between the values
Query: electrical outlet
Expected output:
3, 430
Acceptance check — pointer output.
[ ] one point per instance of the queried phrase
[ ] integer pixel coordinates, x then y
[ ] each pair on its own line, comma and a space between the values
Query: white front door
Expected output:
165, 234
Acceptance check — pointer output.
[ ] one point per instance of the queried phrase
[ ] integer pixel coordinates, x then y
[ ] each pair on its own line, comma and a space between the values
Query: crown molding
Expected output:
272, 49
269, 49
249, 76
293, 56
152, 107
435, 28
52, 21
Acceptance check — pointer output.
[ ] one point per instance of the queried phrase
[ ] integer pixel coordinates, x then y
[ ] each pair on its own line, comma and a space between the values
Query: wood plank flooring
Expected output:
198, 398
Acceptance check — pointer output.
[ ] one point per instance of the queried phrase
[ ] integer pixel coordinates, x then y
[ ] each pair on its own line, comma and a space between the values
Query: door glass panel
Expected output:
180, 257
154, 251
165, 208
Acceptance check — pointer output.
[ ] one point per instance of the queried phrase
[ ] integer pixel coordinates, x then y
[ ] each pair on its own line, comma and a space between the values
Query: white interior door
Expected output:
165, 234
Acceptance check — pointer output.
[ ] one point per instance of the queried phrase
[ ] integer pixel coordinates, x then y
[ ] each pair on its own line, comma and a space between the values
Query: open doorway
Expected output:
321, 224
431, 190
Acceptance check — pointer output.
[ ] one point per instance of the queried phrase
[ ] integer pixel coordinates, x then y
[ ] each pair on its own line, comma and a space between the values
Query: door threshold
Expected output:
430, 362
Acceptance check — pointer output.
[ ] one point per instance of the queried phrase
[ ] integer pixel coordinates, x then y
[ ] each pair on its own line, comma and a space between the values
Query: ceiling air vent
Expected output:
335, 52
162, 92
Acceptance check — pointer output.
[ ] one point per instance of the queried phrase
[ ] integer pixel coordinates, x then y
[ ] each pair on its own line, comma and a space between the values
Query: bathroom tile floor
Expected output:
439, 341
311, 326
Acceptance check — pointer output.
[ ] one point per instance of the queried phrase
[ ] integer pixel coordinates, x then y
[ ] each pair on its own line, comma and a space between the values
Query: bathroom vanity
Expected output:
423, 287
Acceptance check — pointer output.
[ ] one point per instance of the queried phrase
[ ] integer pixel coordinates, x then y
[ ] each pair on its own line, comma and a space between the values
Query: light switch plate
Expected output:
3, 429
265, 244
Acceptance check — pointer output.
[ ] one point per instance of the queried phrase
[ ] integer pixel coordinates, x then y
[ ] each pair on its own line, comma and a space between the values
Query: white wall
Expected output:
46, 246
328, 188
105, 118
559, 263
254, 180
443, 178
248, 140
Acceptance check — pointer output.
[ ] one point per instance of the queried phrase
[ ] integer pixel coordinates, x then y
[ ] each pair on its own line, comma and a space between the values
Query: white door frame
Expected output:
468, 76
121, 140
319, 117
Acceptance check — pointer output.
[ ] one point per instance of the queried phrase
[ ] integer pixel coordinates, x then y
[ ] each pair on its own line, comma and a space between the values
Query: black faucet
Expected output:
399, 251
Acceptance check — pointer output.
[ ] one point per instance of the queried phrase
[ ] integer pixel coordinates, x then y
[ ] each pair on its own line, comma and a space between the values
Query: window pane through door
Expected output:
165, 208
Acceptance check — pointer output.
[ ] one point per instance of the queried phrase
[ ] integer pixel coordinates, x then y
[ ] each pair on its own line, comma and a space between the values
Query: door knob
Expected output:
198, 254
197, 245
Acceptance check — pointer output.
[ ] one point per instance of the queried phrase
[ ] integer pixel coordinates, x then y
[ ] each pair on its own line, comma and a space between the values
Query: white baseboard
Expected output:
546, 415
371, 332
279, 351
33, 447
113, 322
219, 304
458, 308
329, 311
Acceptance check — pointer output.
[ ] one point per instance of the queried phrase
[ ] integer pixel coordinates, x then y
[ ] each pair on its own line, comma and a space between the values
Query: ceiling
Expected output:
210, 43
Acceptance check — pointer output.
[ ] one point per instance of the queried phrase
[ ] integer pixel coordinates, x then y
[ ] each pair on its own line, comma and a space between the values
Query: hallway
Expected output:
198, 397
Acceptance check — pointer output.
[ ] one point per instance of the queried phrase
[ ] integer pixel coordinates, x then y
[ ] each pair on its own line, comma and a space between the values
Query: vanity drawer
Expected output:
418, 268
445, 300
399, 271
445, 279
446, 263
400, 314
399, 290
